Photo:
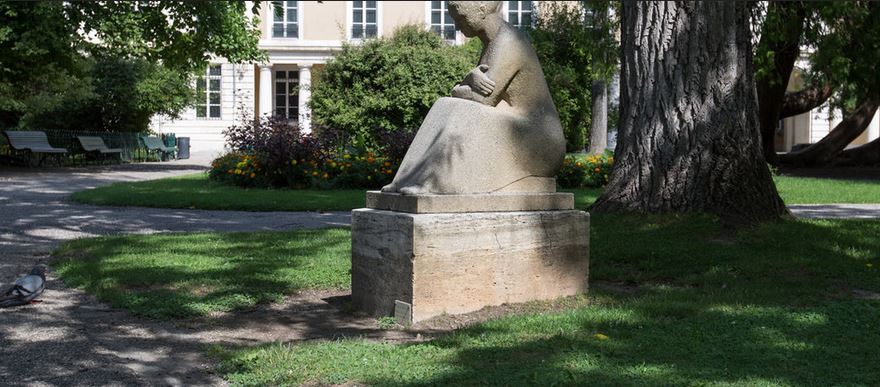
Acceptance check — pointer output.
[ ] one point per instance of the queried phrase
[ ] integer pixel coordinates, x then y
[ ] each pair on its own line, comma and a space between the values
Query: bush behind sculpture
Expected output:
274, 152
388, 83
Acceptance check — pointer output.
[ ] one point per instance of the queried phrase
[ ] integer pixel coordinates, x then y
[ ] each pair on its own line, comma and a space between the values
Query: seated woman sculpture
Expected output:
499, 131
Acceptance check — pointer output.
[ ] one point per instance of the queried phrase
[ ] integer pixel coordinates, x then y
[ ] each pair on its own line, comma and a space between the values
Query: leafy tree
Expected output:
388, 83
183, 35
39, 64
844, 39
122, 96
49, 48
689, 136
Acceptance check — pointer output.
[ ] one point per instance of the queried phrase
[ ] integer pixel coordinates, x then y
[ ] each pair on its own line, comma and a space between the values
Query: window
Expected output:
287, 94
519, 13
286, 23
208, 93
363, 19
441, 22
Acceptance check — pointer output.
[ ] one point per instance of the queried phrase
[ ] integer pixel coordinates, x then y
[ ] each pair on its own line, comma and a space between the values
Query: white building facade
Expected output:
299, 38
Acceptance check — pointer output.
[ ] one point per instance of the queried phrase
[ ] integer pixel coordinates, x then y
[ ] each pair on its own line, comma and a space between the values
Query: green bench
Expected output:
154, 144
33, 142
96, 146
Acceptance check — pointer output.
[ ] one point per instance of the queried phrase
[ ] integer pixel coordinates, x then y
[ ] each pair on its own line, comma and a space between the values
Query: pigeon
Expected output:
26, 288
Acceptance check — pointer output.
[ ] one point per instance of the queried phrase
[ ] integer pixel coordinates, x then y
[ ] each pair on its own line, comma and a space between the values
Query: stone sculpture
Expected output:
499, 131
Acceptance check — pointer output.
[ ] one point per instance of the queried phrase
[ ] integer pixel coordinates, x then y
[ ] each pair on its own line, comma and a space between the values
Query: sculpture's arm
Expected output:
504, 63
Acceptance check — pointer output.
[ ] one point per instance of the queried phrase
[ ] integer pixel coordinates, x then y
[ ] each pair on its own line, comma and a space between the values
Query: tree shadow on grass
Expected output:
170, 276
770, 305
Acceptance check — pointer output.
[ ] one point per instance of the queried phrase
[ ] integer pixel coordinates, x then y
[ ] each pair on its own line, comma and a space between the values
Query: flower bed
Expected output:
585, 171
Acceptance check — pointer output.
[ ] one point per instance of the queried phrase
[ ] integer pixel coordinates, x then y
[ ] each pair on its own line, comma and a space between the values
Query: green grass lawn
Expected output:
806, 190
785, 304
197, 192
794, 302
186, 275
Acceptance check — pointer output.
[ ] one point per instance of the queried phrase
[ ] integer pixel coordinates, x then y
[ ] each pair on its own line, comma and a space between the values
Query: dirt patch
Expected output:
447, 323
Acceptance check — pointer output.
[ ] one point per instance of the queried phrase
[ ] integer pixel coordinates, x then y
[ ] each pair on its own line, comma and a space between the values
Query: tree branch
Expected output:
831, 145
805, 100
865, 155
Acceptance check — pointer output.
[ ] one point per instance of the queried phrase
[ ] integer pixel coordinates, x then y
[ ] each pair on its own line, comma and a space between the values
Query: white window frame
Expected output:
505, 9
429, 9
287, 95
350, 20
203, 103
270, 20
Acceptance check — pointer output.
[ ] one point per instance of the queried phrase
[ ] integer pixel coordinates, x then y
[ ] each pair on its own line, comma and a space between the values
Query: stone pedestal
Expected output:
420, 265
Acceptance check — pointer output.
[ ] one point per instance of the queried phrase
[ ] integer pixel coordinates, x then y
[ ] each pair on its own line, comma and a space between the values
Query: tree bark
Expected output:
822, 152
805, 100
599, 120
689, 139
865, 155
782, 38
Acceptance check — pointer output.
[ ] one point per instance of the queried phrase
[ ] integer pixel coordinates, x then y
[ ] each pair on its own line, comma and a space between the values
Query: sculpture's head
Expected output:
471, 16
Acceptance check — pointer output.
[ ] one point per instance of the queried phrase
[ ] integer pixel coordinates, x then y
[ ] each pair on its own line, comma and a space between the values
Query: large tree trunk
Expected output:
805, 100
822, 152
689, 139
599, 119
781, 35
865, 155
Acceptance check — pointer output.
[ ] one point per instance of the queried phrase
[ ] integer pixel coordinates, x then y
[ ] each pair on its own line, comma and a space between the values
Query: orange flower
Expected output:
253, 175
370, 160
597, 170
578, 164
387, 164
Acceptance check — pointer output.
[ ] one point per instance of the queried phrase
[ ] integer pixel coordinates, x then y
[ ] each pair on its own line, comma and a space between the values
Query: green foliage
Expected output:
53, 51
844, 41
847, 40
183, 35
572, 55
585, 171
387, 83
120, 95
39, 66
330, 170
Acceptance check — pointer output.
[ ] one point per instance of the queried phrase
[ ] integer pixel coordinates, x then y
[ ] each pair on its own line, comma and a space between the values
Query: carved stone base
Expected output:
431, 264
496, 202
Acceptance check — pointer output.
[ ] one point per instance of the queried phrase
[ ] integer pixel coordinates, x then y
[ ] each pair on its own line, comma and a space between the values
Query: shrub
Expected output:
273, 152
236, 168
387, 83
561, 39
279, 145
590, 171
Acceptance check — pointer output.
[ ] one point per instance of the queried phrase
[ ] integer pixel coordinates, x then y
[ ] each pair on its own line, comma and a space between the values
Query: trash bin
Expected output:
183, 147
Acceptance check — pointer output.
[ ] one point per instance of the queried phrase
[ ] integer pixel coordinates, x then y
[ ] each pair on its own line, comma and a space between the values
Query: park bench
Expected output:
154, 144
33, 142
96, 146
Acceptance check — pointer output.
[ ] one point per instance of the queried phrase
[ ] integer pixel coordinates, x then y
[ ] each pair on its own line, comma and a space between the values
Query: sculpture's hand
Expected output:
462, 91
480, 82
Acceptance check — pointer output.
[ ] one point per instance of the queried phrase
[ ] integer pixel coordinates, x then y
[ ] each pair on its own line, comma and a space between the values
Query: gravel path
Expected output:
71, 339
836, 211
